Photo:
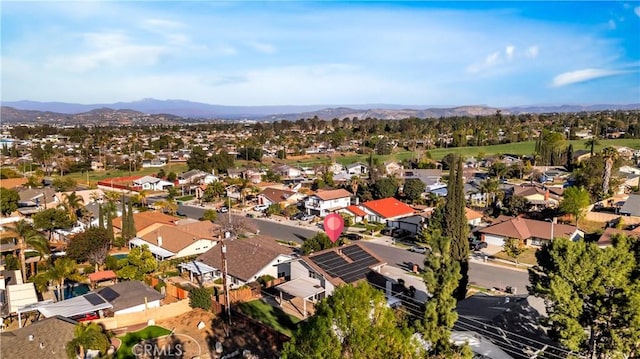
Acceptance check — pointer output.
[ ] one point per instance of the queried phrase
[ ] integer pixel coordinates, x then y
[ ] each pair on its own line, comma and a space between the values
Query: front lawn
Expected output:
527, 257
130, 339
270, 315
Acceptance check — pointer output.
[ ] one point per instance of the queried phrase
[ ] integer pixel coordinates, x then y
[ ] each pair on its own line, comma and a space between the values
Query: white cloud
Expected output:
637, 10
611, 24
532, 51
263, 47
572, 77
509, 51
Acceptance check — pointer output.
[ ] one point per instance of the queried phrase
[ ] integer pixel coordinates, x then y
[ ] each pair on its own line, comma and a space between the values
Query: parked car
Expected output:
223, 209
86, 317
477, 245
400, 232
260, 207
419, 249
307, 217
353, 236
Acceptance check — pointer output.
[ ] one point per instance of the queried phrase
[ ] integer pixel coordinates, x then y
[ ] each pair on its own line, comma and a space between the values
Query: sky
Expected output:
310, 53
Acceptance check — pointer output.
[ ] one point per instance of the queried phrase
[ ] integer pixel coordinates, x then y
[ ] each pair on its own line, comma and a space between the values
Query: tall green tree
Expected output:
26, 237
71, 203
51, 219
317, 243
139, 262
354, 322
63, 268
413, 189
9, 199
92, 245
441, 277
592, 296
514, 247
575, 201
455, 226
384, 188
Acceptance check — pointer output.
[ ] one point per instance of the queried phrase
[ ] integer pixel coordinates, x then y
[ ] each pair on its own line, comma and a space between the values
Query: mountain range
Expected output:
198, 110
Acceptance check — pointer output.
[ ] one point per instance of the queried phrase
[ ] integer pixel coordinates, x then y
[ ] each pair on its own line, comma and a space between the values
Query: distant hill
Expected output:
198, 110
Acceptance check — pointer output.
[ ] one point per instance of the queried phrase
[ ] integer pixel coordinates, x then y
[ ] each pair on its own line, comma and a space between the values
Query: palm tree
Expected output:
355, 184
64, 268
591, 144
490, 187
609, 154
167, 205
27, 236
87, 336
71, 202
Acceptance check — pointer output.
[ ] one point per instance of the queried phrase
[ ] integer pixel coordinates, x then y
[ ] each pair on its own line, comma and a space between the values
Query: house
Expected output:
315, 276
606, 236
154, 163
145, 222
37, 198
191, 177
131, 297
324, 202
287, 171
428, 176
386, 209
354, 211
358, 169
88, 303
537, 197
630, 181
581, 155
247, 260
413, 224
631, 206
474, 218
47, 338
177, 241
152, 183
278, 196
532, 232
335, 167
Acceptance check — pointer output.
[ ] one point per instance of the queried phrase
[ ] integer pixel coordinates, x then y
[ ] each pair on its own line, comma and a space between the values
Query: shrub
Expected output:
200, 298
159, 286
263, 280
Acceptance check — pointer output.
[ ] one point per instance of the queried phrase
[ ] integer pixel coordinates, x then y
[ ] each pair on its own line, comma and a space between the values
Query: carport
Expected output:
301, 288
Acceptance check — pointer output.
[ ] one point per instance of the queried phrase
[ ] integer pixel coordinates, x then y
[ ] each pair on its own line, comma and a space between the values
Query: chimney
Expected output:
159, 241
546, 195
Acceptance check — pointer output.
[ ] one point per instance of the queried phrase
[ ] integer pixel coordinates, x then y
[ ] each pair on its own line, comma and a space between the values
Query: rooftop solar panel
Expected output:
94, 299
351, 270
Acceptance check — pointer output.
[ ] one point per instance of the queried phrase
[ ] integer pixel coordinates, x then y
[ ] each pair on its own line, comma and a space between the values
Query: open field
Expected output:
81, 178
131, 339
269, 315
517, 148
527, 257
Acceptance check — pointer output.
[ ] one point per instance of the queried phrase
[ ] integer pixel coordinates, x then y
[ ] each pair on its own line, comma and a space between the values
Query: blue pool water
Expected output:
75, 289
120, 256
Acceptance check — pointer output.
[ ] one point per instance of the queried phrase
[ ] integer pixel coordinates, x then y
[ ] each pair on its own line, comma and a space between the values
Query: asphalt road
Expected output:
480, 274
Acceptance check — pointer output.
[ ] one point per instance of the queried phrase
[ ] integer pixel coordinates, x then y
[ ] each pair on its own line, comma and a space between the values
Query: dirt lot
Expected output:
235, 339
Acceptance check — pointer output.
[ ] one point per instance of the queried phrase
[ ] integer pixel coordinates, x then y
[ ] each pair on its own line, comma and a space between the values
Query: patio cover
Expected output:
158, 251
301, 288
197, 267
87, 303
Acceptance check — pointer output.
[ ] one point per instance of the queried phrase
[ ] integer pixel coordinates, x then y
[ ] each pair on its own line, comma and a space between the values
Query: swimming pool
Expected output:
72, 289
119, 256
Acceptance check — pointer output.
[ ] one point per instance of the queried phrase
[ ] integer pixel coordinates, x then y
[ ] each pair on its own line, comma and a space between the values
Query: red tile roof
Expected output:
143, 220
356, 210
605, 238
102, 275
471, 214
388, 207
522, 228
333, 194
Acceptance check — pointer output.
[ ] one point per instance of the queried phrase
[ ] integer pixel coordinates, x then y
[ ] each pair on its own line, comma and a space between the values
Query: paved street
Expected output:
481, 274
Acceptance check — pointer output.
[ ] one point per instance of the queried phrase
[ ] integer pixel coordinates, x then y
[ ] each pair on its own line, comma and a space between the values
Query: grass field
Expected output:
269, 315
527, 257
81, 178
518, 148
131, 339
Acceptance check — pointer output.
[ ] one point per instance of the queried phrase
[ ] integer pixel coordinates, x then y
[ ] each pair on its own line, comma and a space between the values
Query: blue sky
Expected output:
338, 53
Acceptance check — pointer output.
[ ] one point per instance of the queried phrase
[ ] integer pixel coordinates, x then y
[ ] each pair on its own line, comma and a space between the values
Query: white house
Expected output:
357, 169
247, 260
324, 202
131, 297
152, 183
170, 242
287, 171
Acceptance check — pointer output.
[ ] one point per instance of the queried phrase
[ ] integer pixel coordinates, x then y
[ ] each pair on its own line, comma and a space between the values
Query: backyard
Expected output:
131, 339
270, 315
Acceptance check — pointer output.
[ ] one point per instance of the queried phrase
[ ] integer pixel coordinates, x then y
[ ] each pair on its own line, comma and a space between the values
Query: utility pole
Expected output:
223, 248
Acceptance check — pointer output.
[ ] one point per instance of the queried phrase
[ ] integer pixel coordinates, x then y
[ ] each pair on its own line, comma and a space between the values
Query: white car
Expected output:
419, 249
260, 207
